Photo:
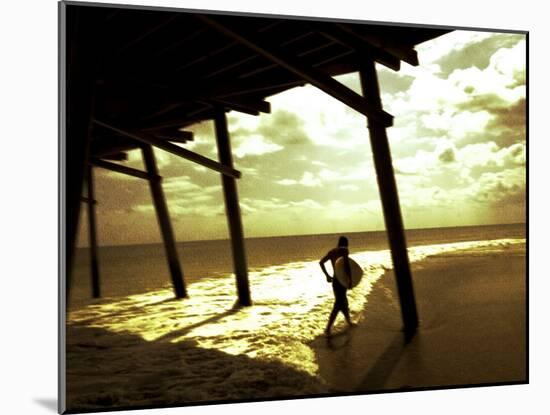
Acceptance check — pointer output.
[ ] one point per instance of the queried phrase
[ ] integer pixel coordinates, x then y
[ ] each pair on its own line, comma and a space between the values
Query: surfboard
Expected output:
342, 276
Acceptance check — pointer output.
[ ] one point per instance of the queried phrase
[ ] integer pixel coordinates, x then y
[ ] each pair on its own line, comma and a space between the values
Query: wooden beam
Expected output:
120, 156
232, 209
92, 235
184, 135
77, 80
172, 139
302, 54
129, 171
231, 106
84, 199
104, 146
164, 222
174, 135
243, 105
175, 120
311, 75
390, 200
172, 97
363, 49
174, 149
248, 106
405, 54
144, 35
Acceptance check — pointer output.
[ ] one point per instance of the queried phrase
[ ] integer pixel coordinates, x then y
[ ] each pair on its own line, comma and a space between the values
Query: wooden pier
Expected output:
140, 87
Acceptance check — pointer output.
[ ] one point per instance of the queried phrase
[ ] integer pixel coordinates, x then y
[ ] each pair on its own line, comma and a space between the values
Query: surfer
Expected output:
340, 292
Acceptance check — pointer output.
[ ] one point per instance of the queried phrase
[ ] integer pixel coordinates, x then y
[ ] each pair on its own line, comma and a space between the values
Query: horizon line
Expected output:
306, 234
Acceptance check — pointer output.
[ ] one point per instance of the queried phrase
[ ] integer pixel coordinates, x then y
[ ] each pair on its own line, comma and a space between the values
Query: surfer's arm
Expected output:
322, 264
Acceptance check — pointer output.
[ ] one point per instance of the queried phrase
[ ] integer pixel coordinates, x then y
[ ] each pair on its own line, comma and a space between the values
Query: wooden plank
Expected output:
311, 75
233, 211
92, 235
252, 57
170, 98
120, 156
185, 135
390, 200
167, 233
105, 148
312, 50
174, 149
251, 107
176, 120
145, 34
363, 49
129, 171
174, 135
405, 54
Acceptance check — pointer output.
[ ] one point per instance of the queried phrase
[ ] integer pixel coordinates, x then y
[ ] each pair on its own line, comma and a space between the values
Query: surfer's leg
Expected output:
331, 318
345, 310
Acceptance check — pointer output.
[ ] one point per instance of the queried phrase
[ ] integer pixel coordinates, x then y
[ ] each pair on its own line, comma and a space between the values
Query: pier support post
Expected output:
232, 209
390, 199
94, 262
76, 108
164, 221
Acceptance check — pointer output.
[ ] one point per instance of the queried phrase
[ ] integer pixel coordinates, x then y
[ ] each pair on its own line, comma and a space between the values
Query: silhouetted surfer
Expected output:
340, 292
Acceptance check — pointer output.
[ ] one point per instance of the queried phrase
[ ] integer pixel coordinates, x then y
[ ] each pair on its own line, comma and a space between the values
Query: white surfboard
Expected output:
342, 276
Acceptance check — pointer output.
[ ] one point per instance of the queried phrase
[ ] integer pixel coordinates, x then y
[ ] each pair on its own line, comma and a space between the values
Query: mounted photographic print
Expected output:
259, 207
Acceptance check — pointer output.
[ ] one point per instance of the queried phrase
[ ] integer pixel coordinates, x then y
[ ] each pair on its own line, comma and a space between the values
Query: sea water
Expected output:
134, 269
291, 297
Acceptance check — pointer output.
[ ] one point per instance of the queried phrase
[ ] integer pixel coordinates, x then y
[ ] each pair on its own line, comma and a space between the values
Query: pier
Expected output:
138, 78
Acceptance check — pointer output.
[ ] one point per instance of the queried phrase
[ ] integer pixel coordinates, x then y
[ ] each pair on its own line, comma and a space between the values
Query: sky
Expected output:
458, 145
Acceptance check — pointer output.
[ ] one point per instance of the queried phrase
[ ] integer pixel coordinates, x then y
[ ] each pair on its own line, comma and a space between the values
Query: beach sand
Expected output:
472, 309
472, 331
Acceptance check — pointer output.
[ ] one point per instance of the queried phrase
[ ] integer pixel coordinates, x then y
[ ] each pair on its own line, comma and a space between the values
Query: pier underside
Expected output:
136, 78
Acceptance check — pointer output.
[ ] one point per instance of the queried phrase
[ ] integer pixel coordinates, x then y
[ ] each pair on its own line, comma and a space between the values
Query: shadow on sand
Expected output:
362, 358
383, 367
107, 370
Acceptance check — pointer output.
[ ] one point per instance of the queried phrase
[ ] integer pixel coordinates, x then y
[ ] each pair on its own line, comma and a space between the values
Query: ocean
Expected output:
135, 269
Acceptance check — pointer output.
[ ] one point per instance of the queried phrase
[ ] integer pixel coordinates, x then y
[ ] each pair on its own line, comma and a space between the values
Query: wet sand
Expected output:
472, 309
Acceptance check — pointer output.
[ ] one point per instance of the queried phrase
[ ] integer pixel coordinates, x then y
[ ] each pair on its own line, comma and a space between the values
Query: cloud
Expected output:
186, 199
325, 121
495, 187
469, 103
490, 155
182, 211
255, 136
255, 145
476, 53
283, 127
392, 82
277, 204
180, 184
455, 124
307, 179
350, 187
430, 53
447, 155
